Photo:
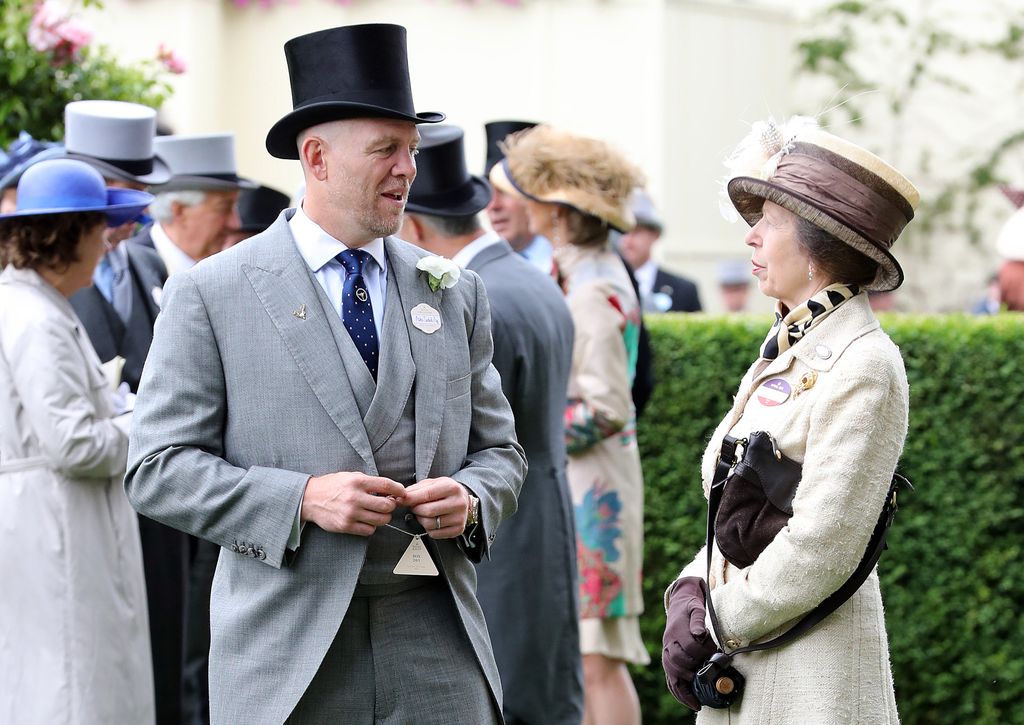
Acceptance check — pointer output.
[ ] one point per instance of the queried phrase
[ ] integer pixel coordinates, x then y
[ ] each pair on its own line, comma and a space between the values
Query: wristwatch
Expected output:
473, 515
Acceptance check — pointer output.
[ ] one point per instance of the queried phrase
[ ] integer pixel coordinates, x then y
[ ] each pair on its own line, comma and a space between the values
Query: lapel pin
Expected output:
301, 312
807, 381
426, 318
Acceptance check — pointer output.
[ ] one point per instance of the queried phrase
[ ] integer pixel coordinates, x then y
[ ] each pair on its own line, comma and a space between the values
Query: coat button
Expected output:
823, 352
731, 643
261, 554
250, 551
234, 548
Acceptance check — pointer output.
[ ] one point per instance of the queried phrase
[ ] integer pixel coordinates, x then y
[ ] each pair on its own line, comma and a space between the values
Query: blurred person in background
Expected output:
660, 291
576, 190
830, 387
195, 210
734, 284
22, 153
73, 620
257, 209
1010, 248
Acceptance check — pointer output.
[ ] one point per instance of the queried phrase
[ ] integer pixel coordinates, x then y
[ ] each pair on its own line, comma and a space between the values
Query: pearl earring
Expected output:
810, 273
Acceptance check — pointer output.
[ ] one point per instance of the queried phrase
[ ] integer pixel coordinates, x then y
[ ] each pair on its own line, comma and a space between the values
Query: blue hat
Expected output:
61, 186
22, 153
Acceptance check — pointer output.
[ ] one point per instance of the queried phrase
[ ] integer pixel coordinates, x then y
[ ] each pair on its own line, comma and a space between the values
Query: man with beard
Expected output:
320, 403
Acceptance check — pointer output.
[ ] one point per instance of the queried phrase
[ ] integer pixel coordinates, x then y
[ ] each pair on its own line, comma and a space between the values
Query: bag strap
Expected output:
876, 545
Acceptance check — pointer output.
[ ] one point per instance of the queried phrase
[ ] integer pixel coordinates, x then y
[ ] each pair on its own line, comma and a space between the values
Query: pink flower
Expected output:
171, 60
52, 30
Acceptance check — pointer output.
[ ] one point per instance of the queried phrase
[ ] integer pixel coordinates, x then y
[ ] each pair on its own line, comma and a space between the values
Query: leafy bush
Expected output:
47, 60
950, 579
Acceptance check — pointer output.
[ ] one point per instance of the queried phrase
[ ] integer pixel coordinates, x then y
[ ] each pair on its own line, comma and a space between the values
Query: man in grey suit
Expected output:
326, 411
528, 587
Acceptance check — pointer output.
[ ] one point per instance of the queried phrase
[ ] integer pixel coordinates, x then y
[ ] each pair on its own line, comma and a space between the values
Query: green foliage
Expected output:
35, 86
950, 577
913, 63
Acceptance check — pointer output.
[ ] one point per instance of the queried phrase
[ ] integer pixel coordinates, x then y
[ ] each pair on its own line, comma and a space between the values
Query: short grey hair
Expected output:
452, 226
160, 207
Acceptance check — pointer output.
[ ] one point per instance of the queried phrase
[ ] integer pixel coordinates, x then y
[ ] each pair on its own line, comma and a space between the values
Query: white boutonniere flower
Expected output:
442, 273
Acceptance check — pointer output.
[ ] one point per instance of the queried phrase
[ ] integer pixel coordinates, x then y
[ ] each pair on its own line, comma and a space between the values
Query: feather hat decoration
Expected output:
557, 167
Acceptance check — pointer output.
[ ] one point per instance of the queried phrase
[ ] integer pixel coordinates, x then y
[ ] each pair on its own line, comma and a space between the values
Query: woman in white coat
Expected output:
74, 644
830, 387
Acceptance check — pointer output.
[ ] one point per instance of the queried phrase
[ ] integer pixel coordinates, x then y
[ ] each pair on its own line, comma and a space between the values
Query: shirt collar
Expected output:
174, 257
318, 247
465, 255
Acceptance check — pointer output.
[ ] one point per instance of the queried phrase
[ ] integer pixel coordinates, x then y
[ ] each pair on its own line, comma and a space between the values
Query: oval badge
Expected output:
773, 392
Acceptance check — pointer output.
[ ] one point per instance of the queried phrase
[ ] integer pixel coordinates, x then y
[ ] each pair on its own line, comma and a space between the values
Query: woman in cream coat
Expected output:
831, 388
74, 638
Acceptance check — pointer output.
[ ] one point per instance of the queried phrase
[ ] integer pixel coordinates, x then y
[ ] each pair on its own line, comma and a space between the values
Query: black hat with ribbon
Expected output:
258, 208
443, 185
355, 71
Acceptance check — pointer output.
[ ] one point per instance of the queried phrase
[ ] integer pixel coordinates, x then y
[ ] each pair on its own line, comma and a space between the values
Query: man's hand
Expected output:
442, 501
350, 503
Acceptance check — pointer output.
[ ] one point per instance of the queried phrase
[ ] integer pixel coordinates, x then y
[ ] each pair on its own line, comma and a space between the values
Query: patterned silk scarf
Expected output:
787, 330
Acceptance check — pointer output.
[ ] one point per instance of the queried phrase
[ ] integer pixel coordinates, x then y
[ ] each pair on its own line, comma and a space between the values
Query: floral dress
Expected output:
604, 462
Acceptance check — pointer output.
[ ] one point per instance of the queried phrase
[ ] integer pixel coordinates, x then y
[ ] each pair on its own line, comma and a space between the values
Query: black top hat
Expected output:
497, 131
355, 71
443, 185
258, 208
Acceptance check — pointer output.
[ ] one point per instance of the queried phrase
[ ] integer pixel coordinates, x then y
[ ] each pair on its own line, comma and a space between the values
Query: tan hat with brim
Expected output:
837, 186
555, 167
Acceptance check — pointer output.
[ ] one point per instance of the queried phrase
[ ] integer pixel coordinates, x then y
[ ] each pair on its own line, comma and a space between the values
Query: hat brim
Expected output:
502, 180
282, 135
160, 174
122, 206
470, 198
748, 195
196, 182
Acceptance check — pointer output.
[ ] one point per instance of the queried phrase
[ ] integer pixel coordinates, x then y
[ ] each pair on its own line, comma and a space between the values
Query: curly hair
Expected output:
46, 241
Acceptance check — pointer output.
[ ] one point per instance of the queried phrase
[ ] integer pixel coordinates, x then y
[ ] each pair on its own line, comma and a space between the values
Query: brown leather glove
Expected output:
687, 644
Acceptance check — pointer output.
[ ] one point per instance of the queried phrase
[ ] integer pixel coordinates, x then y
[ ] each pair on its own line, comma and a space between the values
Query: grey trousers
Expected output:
399, 659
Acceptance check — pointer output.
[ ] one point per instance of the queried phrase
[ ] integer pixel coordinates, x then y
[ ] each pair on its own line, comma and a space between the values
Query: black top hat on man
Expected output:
258, 208
355, 71
496, 132
443, 185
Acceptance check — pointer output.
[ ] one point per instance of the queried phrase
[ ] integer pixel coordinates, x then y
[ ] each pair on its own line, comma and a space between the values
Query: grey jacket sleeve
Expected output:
177, 473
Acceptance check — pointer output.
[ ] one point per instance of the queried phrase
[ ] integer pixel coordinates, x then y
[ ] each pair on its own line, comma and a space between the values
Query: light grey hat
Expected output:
644, 211
116, 139
734, 273
203, 162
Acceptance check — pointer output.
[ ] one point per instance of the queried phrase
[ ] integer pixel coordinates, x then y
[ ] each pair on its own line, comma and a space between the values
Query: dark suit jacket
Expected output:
109, 334
682, 291
528, 588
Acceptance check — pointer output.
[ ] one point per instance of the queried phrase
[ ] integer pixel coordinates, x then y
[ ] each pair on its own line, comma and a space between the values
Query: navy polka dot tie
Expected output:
356, 310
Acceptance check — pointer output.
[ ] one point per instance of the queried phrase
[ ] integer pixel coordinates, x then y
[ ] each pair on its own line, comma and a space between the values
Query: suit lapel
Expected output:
397, 370
491, 253
288, 291
429, 361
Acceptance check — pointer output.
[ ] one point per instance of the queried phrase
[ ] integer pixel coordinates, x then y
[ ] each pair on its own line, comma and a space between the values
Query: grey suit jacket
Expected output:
528, 587
245, 396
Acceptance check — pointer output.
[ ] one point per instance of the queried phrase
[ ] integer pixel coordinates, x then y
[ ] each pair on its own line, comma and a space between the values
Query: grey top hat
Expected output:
203, 162
116, 139
644, 211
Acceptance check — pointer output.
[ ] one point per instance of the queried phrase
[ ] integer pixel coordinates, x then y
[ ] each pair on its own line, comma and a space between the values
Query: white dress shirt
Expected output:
645, 275
319, 249
540, 254
465, 255
172, 255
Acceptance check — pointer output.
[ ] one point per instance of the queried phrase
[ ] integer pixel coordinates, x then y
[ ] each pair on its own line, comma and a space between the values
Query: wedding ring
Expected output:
437, 523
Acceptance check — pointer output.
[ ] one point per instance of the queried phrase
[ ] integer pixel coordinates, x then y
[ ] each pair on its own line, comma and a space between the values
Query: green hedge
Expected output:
953, 574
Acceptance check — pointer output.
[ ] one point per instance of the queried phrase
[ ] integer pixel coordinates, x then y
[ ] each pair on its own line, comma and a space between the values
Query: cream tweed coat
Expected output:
847, 428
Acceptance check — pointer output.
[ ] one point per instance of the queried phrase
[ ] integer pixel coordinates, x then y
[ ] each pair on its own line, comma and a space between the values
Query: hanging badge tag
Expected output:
416, 560
773, 392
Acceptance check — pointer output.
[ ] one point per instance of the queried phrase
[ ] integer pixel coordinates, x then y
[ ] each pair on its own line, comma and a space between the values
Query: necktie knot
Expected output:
353, 260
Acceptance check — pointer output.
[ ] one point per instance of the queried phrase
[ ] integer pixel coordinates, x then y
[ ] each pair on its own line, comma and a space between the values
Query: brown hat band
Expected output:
842, 196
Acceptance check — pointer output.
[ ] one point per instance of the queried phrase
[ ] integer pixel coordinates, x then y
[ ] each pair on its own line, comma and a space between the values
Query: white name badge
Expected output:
426, 318
416, 560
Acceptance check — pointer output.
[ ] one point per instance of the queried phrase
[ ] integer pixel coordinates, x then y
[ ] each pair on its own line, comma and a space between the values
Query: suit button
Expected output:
261, 554
234, 548
409, 518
